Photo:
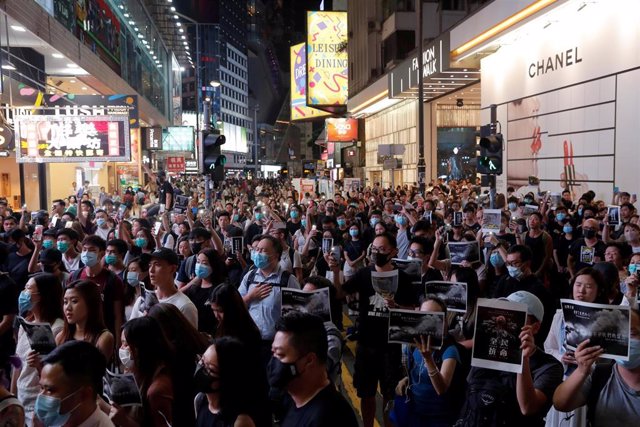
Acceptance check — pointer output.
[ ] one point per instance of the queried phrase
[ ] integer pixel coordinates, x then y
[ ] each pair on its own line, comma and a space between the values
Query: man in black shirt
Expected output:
376, 359
588, 250
299, 365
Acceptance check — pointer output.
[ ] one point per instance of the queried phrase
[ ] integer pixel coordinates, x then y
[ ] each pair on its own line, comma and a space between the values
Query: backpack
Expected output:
284, 278
599, 379
489, 403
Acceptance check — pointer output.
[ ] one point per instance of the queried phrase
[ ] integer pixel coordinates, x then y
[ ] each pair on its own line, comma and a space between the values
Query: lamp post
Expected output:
421, 162
256, 140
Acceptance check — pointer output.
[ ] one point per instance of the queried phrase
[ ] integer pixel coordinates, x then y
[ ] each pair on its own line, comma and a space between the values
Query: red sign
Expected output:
175, 164
342, 130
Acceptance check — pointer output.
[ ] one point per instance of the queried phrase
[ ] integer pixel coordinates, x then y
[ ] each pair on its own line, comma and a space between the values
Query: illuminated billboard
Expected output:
341, 130
63, 139
327, 59
178, 138
299, 109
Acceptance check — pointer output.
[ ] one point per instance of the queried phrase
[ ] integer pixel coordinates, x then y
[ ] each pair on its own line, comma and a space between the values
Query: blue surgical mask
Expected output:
579, 211
513, 206
236, 218
63, 246
24, 302
304, 223
259, 216
47, 244
202, 271
560, 216
294, 214
373, 222
342, 222
47, 409
634, 355
496, 260
89, 259
567, 229
400, 219
354, 233
141, 242
132, 278
260, 260
110, 259
101, 221
514, 272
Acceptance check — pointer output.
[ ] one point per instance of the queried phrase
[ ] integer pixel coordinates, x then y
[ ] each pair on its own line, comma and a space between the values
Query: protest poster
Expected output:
496, 341
121, 389
464, 251
180, 206
491, 219
385, 283
237, 245
413, 267
453, 294
40, 336
312, 302
407, 325
148, 299
605, 325
327, 244
457, 219
614, 215
529, 209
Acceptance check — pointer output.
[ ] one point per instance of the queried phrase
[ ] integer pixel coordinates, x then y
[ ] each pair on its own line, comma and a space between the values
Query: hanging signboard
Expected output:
299, 108
175, 164
67, 139
341, 130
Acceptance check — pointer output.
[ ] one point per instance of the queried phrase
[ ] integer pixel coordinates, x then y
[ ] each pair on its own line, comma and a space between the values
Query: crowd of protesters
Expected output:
142, 284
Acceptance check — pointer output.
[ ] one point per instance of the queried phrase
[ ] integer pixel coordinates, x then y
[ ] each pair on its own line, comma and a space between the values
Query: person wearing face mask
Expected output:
403, 235
376, 359
541, 245
17, 263
298, 365
110, 285
561, 244
295, 216
586, 251
369, 233
521, 278
67, 243
114, 257
260, 289
609, 389
231, 391
40, 301
102, 225
71, 381
199, 239
146, 353
137, 288
210, 269
50, 261
354, 252
421, 249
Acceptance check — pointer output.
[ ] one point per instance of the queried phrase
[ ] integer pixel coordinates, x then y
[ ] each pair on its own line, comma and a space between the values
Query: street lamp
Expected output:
214, 83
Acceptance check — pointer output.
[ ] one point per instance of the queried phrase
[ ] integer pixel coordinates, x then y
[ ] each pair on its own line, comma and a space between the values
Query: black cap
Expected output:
162, 174
166, 255
50, 256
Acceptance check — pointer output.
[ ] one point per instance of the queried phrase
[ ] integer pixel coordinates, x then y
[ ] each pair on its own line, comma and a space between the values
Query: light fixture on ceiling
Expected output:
178, 25
181, 30
126, 15
184, 37
176, 17
72, 81
185, 43
173, 9
18, 28
132, 22
57, 55
72, 65
8, 66
84, 88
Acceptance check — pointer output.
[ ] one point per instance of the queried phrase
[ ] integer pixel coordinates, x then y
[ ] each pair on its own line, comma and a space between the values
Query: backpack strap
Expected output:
292, 253
284, 278
250, 277
599, 378
189, 265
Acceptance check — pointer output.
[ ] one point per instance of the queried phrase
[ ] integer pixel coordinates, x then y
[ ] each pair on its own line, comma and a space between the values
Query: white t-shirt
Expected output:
288, 264
102, 232
71, 265
185, 305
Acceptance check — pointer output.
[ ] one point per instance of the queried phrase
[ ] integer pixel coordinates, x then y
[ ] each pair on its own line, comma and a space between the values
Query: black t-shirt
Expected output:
292, 227
166, 188
538, 248
199, 296
374, 321
562, 245
18, 268
585, 256
8, 306
327, 409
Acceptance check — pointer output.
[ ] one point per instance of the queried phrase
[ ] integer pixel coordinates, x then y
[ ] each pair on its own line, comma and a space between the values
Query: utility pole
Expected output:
256, 140
421, 162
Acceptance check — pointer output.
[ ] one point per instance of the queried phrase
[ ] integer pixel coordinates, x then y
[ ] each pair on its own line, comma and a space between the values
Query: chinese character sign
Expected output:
175, 164
63, 139
327, 58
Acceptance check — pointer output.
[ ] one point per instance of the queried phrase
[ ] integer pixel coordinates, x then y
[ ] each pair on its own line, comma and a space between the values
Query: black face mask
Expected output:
202, 381
280, 374
589, 234
196, 248
380, 259
567, 204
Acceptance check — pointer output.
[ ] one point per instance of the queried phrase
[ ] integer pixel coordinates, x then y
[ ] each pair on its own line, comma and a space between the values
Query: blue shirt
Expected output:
266, 312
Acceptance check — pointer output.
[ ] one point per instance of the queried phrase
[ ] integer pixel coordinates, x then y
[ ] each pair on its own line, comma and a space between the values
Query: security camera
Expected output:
460, 103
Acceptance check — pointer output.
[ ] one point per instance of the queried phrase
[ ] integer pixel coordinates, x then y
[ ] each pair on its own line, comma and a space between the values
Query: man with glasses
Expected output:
376, 359
588, 250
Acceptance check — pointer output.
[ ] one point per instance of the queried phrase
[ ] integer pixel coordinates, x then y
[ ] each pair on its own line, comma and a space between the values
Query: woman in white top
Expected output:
40, 302
587, 286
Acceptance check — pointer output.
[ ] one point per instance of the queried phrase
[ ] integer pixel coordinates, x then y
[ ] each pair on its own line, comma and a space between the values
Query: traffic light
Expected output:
211, 158
490, 158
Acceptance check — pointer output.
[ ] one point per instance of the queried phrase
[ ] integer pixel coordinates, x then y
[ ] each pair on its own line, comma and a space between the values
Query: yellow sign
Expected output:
299, 109
327, 59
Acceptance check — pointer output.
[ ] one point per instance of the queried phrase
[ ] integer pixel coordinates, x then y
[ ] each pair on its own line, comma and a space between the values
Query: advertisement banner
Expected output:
152, 138
327, 59
341, 130
178, 138
175, 164
307, 186
67, 139
102, 28
299, 109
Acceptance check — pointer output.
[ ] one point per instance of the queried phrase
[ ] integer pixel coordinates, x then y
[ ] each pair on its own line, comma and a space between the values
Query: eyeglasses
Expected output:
378, 250
415, 253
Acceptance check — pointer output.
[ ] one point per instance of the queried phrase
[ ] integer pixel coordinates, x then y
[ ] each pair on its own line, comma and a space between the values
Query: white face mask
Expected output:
125, 357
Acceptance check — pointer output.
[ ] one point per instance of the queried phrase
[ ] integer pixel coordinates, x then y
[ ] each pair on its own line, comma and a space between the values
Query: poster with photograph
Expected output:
180, 206
496, 341
314, 302
40, 336
237, 244
385, 283
412, 267
614, 215
491, 219
327, 244
121, 389
556, 200
529, 209
454, 294
405, 326
148, 299
605, 325
464, 251
457, 219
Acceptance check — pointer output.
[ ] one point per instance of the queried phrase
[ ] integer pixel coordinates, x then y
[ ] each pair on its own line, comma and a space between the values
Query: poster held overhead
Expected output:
405, 326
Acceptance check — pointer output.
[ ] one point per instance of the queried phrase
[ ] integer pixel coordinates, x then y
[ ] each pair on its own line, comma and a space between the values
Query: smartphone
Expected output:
336, 253
314, 227
37, 233
156, 227
327, 244
34, 215
54, 221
